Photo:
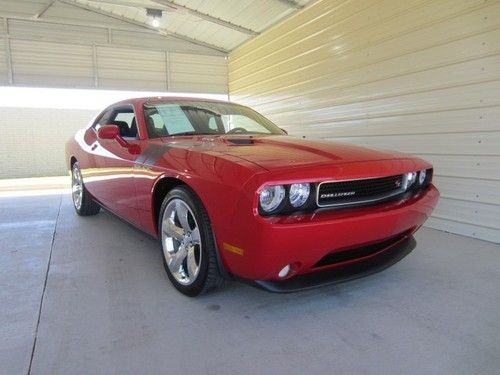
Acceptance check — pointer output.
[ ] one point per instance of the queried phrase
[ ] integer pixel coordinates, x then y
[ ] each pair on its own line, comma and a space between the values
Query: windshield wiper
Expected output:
193, 133
184, 133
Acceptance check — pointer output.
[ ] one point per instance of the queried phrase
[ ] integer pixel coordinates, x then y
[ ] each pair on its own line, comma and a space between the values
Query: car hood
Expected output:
280, 152
277, 152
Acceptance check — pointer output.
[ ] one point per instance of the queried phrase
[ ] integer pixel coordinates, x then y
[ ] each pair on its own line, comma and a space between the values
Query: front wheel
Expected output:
189, 251
82, 201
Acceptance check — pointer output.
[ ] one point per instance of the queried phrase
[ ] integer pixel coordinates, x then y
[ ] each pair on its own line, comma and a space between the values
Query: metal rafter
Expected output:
143, 25
125, 3
291, 4
45, 9
171, 5
206, 17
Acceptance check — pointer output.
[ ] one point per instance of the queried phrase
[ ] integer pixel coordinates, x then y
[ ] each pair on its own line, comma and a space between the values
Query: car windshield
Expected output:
193, 118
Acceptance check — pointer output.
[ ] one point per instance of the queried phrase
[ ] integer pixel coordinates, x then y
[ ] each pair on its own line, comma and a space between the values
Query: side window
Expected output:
127, 117
124, 118
102, 119
212, 124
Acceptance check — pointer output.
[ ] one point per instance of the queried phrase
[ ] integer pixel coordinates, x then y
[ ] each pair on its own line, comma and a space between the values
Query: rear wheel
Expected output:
82, 201
189, 251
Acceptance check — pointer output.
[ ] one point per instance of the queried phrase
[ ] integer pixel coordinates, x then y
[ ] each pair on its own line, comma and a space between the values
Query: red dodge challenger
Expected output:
230, 195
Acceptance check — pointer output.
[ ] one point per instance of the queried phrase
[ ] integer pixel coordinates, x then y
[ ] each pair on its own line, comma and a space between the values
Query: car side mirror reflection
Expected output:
113, 132
108, 132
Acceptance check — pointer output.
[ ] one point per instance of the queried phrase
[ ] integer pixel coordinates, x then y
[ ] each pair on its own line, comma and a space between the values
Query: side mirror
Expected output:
108, 132
284, 131
113, 132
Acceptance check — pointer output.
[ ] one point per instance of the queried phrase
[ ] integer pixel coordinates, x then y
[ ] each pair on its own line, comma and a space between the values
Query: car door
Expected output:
89, 159
114, 177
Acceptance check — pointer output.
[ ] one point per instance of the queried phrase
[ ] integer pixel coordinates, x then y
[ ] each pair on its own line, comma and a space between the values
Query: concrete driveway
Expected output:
90, 296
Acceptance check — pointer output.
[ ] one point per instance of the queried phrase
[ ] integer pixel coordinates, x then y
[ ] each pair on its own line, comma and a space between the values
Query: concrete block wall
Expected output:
32, 140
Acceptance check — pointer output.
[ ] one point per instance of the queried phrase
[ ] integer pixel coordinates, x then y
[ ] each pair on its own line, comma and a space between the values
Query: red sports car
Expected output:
230, 195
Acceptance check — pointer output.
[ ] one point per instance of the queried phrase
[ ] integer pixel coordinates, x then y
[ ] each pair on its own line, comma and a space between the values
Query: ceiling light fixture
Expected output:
154, 16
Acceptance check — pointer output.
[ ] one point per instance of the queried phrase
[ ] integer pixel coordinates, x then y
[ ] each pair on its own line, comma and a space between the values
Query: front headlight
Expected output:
421, 176
271, 197
420, 179
409, 179
299, 194
412, 176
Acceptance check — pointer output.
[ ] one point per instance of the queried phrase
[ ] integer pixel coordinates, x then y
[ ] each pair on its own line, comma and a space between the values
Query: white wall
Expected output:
418, 76
32, 139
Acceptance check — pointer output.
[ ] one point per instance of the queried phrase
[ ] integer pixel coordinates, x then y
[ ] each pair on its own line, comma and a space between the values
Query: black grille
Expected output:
360, 252
353, 192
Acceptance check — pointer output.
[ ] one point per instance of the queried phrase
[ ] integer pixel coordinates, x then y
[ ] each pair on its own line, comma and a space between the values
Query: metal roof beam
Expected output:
45, 9
206, 17
291, 4
143, 25
125, 3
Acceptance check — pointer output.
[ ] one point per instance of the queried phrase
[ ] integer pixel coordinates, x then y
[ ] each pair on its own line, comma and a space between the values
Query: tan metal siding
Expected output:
4, 79
418, 76
24, 29
74, 16
129, 68
191, 73
150, 40
41, 63
62, 55
132, 36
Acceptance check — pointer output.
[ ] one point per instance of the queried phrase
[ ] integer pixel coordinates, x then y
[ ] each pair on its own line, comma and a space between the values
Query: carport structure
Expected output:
421, 77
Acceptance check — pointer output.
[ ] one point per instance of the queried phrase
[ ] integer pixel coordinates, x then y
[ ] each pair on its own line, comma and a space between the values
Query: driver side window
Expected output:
125, 119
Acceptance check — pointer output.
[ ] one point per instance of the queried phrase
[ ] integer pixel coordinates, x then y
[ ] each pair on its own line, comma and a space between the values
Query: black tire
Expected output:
87, 206
209, 276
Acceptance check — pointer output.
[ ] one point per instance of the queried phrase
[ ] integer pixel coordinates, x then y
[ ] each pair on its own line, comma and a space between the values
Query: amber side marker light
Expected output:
233, 249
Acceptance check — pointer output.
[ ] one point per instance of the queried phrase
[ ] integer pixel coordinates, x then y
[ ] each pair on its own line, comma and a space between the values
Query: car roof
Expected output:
166, 99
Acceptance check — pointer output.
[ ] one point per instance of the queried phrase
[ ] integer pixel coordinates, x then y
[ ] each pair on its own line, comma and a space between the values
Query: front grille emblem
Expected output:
338, 195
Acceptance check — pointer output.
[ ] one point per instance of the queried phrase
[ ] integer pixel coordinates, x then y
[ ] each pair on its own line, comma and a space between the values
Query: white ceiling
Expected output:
218, 24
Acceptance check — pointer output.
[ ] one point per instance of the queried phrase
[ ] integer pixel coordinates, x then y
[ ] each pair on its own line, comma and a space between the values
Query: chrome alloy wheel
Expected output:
77, 187
180, 236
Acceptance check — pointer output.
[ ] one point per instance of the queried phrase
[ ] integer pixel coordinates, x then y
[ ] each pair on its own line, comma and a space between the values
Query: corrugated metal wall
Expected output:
45, 54
417, 76
4, 79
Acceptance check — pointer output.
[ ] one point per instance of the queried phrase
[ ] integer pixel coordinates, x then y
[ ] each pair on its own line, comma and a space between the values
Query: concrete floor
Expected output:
108, 308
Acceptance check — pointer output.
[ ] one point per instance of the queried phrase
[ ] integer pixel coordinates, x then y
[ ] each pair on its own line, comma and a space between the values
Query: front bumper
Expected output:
267, 244
343, 272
